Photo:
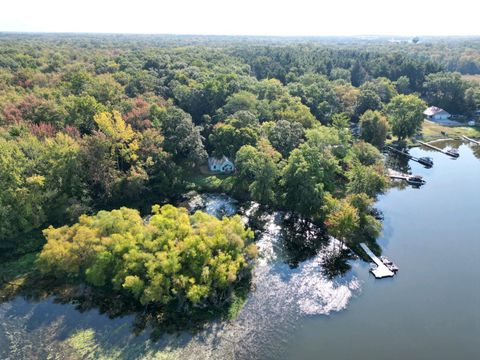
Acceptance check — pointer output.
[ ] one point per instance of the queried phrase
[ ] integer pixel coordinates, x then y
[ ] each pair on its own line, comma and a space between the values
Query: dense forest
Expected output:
95, 131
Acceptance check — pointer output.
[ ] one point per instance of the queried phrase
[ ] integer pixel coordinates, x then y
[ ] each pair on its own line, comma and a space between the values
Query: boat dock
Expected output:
451, 153
381, 271
397, 175
423, 160
471, 140
415, 180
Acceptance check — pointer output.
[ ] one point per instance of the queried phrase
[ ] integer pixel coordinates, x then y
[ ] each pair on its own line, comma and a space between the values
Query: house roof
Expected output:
218, 162
433, 110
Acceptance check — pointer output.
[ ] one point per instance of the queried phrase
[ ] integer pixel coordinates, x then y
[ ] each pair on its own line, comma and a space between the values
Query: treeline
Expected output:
411, 71
133, 120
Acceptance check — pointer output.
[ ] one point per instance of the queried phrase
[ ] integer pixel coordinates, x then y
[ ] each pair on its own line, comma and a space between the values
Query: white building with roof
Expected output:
223, 165
435, 113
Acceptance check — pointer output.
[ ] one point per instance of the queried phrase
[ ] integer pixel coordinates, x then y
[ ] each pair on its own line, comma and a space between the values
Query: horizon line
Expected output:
234, 35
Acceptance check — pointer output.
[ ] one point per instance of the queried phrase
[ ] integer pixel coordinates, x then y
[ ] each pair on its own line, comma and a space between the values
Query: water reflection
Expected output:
289, 285
291, 280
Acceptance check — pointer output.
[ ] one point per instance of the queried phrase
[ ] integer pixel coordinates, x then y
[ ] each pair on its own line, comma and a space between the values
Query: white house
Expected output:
223, 165
435, 113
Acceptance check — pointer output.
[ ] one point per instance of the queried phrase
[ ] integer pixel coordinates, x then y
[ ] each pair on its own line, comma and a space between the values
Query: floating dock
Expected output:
415, 180
424, 161
451, 153
393, 174
471, 140
381, 271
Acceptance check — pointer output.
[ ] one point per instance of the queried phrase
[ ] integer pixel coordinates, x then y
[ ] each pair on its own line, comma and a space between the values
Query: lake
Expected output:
429, 310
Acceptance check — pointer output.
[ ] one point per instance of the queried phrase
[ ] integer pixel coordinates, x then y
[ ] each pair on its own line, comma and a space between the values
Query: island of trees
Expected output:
96, 130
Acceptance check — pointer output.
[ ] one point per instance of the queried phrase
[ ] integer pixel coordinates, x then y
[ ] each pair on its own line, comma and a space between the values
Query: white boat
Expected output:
389, 263
453, 152
415, 180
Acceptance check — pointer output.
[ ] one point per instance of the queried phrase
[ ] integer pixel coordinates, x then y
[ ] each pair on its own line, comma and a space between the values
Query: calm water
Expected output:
430, 310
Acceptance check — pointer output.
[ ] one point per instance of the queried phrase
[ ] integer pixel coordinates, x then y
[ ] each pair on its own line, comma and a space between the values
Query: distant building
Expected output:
435, 113
223, 165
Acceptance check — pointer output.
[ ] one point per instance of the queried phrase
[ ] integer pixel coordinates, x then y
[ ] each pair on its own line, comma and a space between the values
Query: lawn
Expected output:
433, 131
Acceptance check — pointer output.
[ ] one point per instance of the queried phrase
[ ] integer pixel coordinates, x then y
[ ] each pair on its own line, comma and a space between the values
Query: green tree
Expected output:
23, 192
342, 219
242, 100
310, 172
366, 153
358, 74
405, 114
446, 90
242, 128
403, 85
370, 180
258, 171
367, 100
472, 99
374, 128
368, 227
182, 138
317, 92
340, 74
285, 136
81, 111
383, 87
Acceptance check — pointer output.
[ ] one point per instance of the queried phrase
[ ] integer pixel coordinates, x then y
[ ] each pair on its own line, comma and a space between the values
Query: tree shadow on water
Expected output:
301, 240
335, 262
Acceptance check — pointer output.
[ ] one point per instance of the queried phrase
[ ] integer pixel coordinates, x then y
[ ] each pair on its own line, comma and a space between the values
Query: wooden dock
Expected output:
446, 152
393, 174
381, 271
422, 161
471, 140
414, 180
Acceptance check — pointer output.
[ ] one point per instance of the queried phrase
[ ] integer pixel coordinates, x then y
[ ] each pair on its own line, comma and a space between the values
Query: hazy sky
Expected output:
244, 17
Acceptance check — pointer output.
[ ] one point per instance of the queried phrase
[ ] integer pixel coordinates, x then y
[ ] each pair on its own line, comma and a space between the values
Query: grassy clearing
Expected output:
433, 131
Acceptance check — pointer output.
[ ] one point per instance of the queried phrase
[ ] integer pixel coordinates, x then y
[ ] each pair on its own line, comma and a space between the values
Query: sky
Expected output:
245, 17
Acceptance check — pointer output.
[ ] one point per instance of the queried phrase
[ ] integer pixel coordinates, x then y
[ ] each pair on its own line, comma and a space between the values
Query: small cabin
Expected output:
223, 165
435, 113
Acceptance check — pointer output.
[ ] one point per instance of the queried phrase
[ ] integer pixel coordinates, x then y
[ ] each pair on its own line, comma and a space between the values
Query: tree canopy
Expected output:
405, 114
189, 260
